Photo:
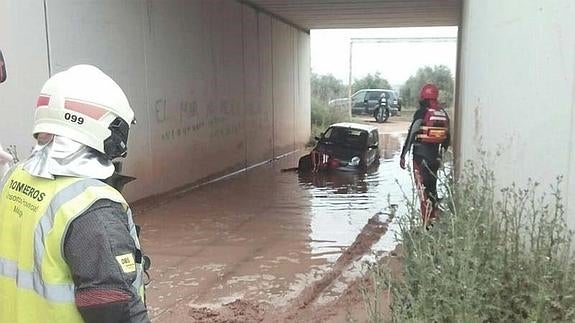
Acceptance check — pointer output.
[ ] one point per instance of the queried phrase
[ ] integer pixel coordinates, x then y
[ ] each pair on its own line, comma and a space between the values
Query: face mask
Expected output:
61, 156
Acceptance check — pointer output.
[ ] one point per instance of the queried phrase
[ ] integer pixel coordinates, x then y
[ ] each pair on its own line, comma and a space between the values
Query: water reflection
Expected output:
390, 145
342, 203
339, 182
263, 235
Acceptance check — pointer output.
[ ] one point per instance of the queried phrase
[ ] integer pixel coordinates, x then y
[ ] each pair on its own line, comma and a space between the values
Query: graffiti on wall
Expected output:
160, 110
186, 115
222, 119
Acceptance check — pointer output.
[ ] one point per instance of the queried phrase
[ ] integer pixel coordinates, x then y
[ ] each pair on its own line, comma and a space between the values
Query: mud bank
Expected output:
304, 308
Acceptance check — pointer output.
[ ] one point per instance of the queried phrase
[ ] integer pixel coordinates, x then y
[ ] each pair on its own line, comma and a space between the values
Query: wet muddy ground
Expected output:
268, 245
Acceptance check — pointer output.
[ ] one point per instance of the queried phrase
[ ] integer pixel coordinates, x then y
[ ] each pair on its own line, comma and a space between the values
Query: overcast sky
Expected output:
395, 61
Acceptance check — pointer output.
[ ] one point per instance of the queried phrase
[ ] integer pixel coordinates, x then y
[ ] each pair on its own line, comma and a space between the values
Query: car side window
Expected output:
373, 138
358, 97
373, 95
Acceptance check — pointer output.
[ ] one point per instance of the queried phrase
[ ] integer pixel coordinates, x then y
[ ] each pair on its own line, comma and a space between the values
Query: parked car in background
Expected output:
393, 100
345, 147
367, 100
342, 102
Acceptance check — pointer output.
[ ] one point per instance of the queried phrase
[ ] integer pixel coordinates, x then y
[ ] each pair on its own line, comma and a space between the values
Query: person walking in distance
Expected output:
429, 136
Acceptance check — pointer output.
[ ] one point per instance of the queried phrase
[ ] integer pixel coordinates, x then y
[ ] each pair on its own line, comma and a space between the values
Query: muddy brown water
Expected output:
265, 235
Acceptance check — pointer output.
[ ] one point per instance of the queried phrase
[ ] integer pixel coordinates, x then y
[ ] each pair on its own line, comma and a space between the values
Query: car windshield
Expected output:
352, 138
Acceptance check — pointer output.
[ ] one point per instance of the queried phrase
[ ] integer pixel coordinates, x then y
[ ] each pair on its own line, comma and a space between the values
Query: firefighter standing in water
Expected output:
69, 250
429, 136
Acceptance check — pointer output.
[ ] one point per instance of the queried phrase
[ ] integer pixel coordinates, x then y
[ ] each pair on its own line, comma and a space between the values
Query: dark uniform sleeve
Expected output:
413, 128
104, 291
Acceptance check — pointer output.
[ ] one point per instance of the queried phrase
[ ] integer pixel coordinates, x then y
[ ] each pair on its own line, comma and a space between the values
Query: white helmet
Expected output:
85, 105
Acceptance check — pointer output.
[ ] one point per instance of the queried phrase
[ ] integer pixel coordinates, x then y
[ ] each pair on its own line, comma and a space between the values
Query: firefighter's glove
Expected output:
402, 163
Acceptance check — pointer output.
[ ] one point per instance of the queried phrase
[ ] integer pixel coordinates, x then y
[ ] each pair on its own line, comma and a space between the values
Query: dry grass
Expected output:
496, 255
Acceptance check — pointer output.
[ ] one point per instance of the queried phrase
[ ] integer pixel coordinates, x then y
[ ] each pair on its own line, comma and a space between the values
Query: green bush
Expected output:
496, 255
322, 116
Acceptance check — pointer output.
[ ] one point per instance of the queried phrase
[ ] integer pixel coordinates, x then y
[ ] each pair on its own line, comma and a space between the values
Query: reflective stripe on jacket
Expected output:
434, 128
35, 282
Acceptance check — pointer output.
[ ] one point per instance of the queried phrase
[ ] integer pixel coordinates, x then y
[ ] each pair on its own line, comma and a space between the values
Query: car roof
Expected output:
376, 90
363, 90
358, 126
384, 90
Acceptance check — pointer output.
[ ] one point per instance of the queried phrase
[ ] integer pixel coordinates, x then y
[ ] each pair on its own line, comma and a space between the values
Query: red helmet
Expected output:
429, 92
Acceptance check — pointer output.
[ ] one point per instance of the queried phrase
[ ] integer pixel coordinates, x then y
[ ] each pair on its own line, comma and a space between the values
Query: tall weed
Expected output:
495, 255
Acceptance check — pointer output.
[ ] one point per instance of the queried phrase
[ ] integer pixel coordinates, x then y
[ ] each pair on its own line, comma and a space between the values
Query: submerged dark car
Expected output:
345, 147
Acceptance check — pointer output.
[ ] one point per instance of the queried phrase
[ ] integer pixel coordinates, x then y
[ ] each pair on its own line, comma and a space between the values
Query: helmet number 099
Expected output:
73, 118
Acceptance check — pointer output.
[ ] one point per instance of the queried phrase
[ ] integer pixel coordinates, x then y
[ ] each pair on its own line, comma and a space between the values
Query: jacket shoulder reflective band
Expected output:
435, 127
35, 282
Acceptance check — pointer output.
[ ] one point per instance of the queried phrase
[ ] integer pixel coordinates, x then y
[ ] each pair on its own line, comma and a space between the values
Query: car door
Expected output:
373, 147
358, 101
393, 102
372, 99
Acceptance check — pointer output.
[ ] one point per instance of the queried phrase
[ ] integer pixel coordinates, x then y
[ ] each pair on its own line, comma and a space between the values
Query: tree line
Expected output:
327, 87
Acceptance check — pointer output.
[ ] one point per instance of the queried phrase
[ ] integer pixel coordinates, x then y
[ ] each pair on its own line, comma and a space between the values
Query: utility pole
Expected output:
350, 77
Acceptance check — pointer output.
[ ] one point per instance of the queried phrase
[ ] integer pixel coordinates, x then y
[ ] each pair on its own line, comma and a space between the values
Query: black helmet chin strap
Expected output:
117, 144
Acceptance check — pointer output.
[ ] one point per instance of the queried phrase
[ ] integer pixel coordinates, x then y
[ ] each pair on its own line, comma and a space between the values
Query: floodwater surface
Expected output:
264, 235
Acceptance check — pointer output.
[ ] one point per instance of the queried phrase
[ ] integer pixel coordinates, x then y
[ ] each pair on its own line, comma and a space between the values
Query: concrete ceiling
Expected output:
319, 14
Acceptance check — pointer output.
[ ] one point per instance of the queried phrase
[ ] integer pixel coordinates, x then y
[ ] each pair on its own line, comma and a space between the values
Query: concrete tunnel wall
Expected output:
517, 90
216, 85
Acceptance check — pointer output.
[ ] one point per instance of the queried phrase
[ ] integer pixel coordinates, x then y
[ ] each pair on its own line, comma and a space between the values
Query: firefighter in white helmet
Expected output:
69, 250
